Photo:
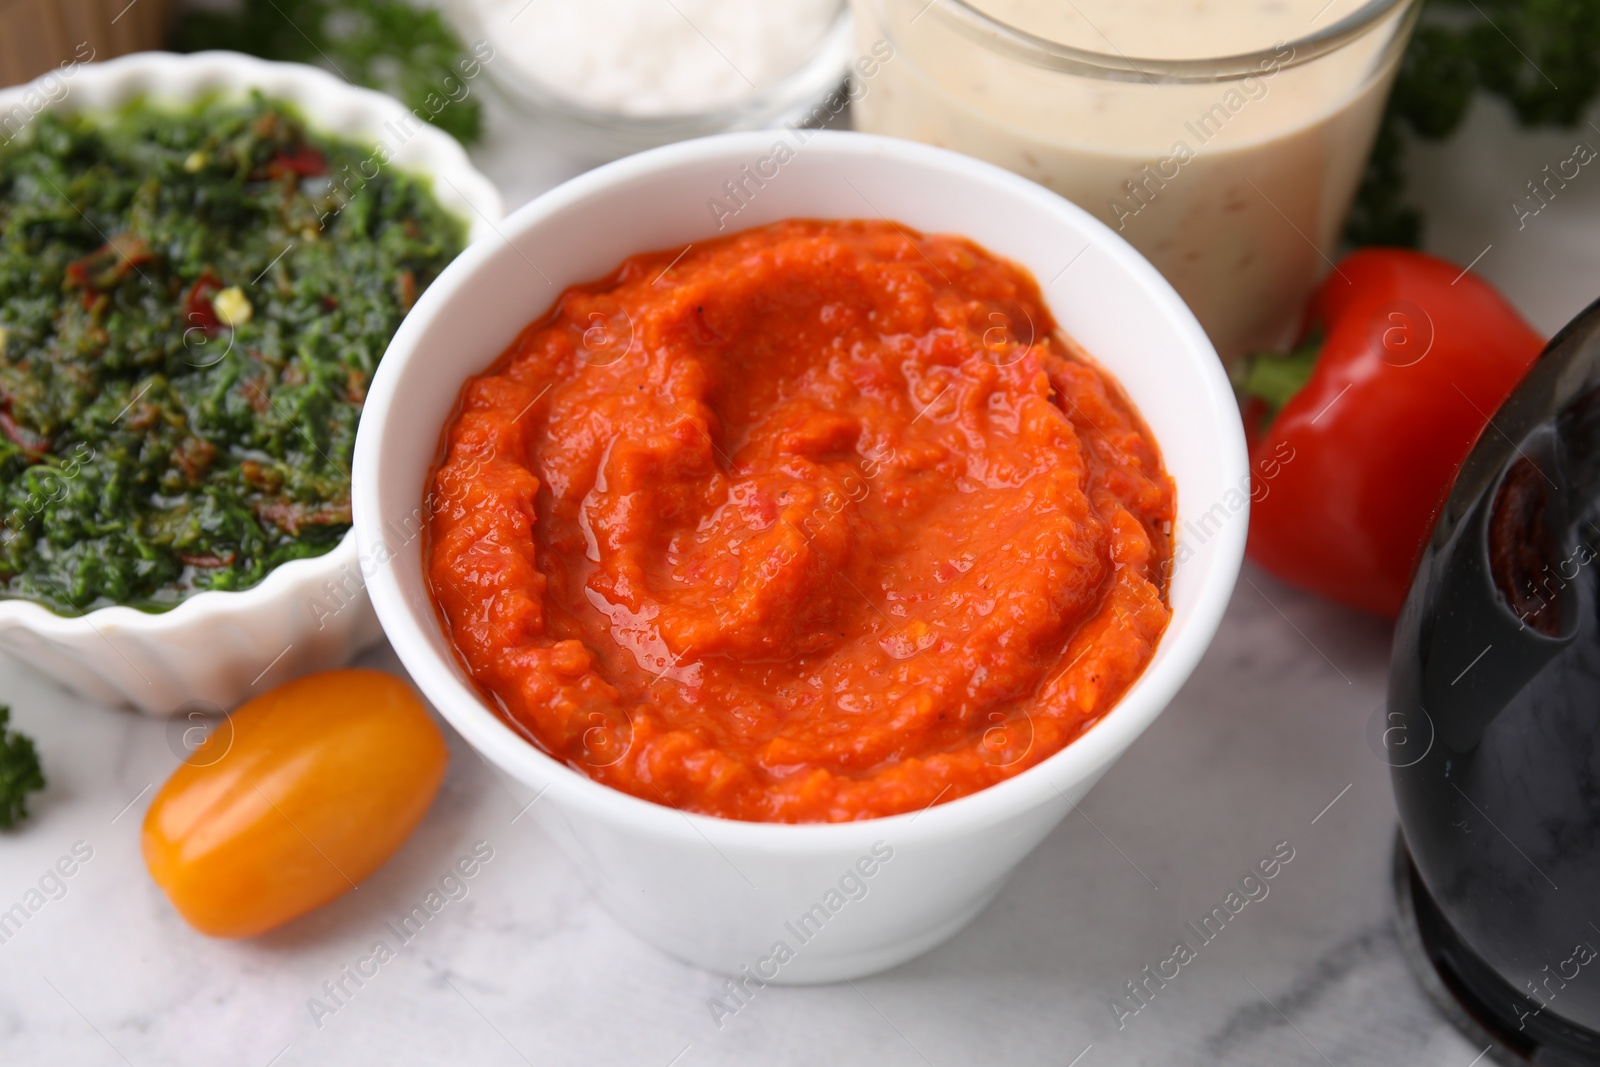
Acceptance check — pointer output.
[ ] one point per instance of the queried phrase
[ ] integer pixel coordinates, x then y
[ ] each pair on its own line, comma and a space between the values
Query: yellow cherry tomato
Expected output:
295, 798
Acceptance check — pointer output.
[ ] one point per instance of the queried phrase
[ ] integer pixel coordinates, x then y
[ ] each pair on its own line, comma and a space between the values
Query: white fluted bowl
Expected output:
217, 648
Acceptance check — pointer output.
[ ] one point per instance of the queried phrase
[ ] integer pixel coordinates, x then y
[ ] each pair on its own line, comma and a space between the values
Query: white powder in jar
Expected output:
656, 57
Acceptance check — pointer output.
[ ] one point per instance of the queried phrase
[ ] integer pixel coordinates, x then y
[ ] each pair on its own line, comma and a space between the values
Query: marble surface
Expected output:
1266, 744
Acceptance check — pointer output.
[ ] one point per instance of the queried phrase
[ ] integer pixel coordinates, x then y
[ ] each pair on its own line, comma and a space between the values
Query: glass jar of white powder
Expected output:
634, 73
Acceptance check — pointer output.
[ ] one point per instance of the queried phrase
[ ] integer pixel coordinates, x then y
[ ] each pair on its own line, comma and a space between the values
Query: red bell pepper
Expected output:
1404, 361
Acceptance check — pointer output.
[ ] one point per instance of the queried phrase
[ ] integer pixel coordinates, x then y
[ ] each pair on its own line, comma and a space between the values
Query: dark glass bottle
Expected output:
1493, 721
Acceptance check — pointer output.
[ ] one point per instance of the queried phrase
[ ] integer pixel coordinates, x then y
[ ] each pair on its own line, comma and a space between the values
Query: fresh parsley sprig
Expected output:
1541, 57
391, 45
20, 773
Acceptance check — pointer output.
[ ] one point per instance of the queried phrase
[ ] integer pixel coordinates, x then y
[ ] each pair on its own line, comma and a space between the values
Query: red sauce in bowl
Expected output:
816, 522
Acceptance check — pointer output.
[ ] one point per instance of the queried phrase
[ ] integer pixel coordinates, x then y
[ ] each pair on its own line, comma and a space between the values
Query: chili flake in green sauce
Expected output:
191, 306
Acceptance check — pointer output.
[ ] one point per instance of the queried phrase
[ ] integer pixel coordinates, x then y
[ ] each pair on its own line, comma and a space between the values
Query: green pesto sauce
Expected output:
155, 441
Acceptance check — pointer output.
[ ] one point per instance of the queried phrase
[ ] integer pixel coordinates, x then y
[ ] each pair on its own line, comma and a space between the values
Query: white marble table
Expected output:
1266, 744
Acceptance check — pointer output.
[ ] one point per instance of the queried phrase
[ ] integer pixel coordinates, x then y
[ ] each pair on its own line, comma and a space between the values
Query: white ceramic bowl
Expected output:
216, 648
720, 893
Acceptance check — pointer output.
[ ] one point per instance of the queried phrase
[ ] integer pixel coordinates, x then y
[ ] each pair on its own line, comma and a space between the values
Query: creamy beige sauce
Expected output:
1236, 190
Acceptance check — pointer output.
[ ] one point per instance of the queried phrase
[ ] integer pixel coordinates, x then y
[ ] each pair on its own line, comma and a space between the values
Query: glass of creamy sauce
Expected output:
1223, 138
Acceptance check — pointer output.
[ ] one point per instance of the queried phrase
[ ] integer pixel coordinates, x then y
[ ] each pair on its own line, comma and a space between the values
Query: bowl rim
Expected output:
1083, 759
174, 78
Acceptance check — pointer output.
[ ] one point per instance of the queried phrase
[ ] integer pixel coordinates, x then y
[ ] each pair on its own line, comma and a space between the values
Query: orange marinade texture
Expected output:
823, 521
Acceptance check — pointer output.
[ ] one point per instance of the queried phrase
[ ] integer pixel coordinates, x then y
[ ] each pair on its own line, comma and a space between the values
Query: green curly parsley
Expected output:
1541, 57
19, 773
391, 45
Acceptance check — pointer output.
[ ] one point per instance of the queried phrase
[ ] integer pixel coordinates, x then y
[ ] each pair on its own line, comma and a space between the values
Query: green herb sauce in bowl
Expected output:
192, 303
